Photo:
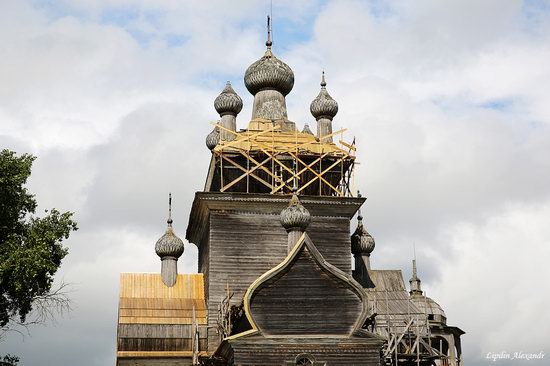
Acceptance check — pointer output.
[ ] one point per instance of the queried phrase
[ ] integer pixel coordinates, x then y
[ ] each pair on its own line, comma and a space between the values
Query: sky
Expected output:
449, 102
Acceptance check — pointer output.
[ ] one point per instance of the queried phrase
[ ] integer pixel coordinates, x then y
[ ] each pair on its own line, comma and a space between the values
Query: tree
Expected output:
31, 248
9, 360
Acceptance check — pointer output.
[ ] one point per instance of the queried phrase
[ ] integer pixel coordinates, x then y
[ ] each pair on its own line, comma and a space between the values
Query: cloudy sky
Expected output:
449, 102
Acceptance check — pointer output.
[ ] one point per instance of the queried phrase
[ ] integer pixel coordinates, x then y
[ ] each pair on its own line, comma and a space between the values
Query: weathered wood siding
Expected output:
239, 237
331, 236
242, 247
343, 352
305, 300
158, 344
172, 361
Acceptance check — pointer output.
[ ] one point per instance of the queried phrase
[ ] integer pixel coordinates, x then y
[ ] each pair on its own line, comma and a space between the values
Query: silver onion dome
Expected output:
295, 216
323, 106
269, 73
228, 102
213, 138
169, 245
361, 241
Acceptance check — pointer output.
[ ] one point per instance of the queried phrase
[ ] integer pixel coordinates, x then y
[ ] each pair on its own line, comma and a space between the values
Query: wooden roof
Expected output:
392, 302
156, 321
145, 299
263, 134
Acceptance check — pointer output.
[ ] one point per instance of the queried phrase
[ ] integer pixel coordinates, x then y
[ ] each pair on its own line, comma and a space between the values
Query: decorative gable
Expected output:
306, 296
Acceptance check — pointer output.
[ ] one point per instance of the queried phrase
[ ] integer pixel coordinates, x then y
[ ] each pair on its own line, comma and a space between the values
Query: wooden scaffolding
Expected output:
409, 337
271, 160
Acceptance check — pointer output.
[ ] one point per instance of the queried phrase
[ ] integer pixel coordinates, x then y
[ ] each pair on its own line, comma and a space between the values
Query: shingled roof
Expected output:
391, 301
155, 320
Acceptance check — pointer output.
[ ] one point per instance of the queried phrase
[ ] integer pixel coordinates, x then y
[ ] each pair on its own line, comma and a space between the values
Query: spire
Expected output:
270, 80
169, 221
169, 248
359, 216
323, 106
268, 43
415, 282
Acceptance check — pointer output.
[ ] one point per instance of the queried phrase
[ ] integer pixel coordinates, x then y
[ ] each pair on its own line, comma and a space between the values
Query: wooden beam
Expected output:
243, 169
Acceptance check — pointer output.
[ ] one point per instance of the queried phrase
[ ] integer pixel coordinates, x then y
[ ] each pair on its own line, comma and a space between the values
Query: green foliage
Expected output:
31, 248
9, 360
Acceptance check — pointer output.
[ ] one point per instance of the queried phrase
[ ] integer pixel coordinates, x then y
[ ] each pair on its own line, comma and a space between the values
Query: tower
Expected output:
277, 198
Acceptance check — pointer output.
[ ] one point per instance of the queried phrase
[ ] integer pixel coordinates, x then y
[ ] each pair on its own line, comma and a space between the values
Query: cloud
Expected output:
494, 282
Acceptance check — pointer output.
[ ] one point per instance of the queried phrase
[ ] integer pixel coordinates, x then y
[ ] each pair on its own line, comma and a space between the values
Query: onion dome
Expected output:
307, 130
323, 106
361, 241
213, 138
228, 102
169, 245
269, 73
295, 216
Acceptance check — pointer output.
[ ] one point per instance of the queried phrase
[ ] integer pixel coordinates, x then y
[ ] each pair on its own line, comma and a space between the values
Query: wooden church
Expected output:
275, 283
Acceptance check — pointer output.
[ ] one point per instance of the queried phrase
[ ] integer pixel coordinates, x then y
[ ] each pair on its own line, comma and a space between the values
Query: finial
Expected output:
268, 43
169, 248
169, 221
359, 216
416, 284
323, 106
295, 180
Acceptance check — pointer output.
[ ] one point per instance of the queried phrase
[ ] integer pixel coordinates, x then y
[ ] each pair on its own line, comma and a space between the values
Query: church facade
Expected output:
276, 284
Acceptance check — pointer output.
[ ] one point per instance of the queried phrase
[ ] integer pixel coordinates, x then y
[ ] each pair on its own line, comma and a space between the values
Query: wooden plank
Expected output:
302, 300
158, 331
155, 303
151, 354
274, 351
162, 320
150, 285
162, 313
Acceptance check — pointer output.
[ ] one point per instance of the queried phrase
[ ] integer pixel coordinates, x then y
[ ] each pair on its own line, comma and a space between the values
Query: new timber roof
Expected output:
155, 320
263, 134
145, 299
